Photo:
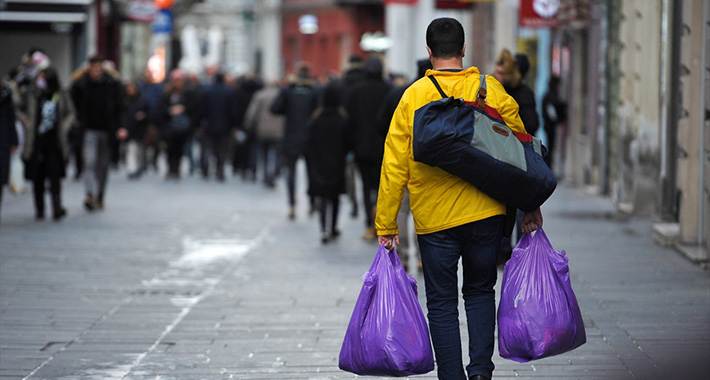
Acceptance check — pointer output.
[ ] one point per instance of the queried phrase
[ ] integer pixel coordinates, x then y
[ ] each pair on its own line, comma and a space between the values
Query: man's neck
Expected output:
447, 63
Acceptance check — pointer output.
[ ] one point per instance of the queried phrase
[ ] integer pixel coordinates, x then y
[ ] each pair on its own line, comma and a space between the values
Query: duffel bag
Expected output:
472, 142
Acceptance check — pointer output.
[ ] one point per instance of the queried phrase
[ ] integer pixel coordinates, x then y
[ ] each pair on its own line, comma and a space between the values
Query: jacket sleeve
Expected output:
506, 106
395, 170
278, 107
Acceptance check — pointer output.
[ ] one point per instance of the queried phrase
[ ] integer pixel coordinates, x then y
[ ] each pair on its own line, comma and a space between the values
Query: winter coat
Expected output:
179, 126
326, 152
245, 91
66, 120
362, 105
99, 103
438, 199
266, 125
297, 103
52, 146
525, 97
218, 114
136, 117
8, 132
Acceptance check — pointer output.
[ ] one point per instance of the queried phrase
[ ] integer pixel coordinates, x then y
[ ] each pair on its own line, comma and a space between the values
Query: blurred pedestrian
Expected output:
245, 152
269, 131
8, 135
296, 102
353, 75
217, 123
152, 92
178, 117
454, 220
135, 124
97, 98
511, 72
326, 154
554, 114
362, 106
46, 146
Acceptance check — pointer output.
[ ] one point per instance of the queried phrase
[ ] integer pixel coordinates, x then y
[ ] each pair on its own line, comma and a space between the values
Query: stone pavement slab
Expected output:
199, 280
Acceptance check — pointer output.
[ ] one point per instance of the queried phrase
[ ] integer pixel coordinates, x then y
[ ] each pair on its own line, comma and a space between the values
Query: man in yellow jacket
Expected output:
453, 219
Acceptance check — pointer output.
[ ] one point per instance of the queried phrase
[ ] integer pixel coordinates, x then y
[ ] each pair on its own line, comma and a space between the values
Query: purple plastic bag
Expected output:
538, 315
387, 334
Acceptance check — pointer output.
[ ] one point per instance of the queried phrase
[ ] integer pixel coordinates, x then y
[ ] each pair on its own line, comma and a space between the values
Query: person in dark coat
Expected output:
135, 125
511, 71
326, 153
178, 115
244, 155
554, 113
362, 106
353, 75
296, 102
8, 134
96, 95
46, 145
217, 124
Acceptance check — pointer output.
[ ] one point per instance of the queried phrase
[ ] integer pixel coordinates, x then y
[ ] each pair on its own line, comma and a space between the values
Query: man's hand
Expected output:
531, 221
388, 241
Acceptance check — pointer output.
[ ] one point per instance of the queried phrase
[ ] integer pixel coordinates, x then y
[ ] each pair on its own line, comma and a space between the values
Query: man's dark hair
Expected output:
96, 58
445, 37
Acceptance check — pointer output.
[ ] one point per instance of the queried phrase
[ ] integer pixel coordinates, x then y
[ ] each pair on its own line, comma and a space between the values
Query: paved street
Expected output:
199, 280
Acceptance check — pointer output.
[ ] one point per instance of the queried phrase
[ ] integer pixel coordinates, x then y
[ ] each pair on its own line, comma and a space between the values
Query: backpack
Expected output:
471, 141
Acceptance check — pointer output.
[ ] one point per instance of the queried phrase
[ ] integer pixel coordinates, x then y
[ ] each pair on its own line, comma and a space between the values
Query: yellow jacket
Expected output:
438, 199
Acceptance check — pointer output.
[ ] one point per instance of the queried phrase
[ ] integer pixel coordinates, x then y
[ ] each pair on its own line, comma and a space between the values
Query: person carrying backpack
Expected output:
453, 219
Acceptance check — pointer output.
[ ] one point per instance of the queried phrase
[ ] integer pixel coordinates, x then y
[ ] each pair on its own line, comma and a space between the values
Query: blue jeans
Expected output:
476, 244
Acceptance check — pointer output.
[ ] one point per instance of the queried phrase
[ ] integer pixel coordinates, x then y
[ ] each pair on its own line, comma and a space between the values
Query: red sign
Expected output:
539, 13
455, 4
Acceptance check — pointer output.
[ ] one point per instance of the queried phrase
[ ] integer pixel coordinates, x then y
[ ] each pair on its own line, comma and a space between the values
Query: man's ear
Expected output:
463, 51
428, 50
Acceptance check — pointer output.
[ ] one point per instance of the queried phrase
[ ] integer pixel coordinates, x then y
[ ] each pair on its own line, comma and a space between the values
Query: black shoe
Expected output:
479, 377
89, 203
59, 214
325, 238
39, 216
335, 234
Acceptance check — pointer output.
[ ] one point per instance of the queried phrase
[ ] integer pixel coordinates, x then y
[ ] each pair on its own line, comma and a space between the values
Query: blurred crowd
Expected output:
204, 124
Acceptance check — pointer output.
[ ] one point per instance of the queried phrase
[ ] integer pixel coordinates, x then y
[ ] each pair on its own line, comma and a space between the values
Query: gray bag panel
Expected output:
498, 141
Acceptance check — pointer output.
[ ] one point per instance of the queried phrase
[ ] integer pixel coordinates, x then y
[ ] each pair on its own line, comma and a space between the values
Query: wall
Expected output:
638, 107
692, 126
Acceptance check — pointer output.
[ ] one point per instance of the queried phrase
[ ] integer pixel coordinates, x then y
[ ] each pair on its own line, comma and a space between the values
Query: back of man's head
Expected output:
445, 38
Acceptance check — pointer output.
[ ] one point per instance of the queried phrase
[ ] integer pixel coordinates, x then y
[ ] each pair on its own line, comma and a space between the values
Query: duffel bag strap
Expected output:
438, 87
481, 95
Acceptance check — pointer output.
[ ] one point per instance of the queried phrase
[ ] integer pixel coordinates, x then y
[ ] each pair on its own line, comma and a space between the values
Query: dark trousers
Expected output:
329, 207
42, 175
476, 245
176, 147
291, 161
370, 175
270, 164
214, 147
